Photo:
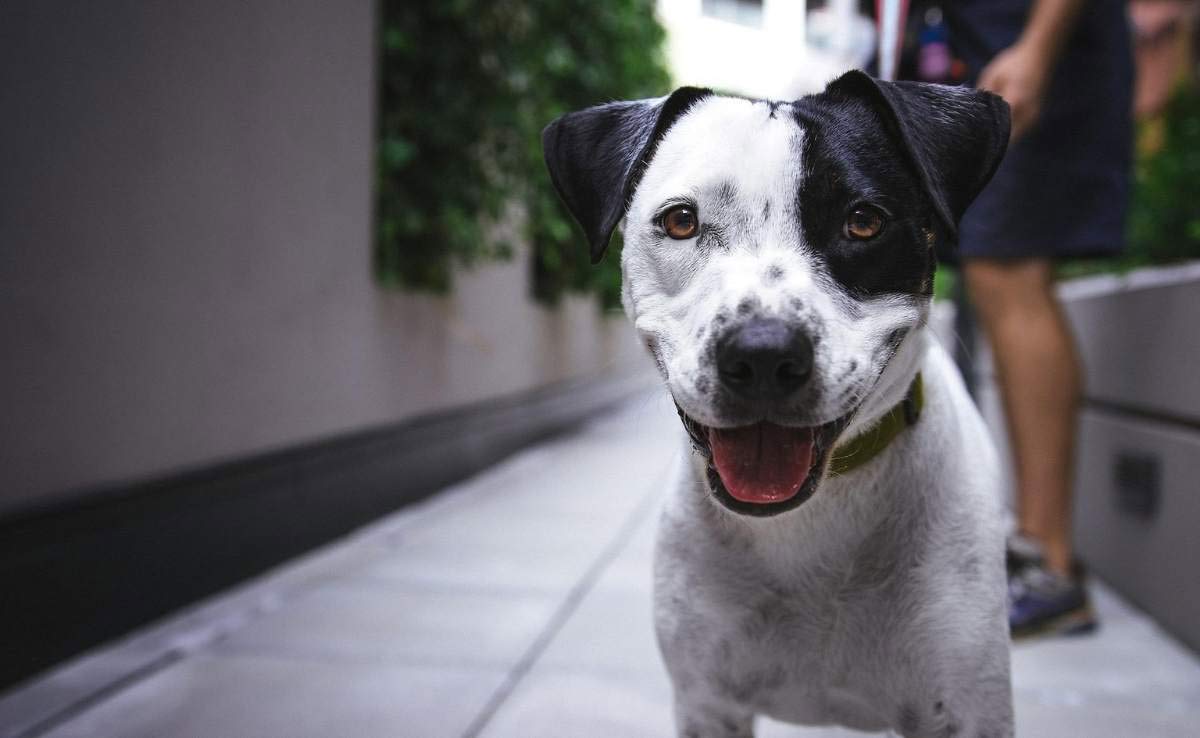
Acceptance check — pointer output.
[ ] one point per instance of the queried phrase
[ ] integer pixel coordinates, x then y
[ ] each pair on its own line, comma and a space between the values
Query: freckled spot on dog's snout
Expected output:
720, 319
745, 307
703, 385
849, 370
774, 274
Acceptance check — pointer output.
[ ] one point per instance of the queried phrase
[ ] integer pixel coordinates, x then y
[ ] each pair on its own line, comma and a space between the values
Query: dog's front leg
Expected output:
700, 719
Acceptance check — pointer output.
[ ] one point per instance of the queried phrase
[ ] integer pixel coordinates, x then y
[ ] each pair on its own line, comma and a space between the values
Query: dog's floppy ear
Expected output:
955, 137
596, 157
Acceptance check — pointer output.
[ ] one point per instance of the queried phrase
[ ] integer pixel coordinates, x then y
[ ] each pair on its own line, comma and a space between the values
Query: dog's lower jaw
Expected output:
825, 437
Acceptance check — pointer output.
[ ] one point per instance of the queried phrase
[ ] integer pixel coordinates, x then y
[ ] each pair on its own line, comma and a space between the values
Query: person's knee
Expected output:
1000, 288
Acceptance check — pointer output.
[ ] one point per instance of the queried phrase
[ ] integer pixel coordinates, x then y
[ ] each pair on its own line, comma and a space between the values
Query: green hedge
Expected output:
465, 89
1164, 212
1164, 218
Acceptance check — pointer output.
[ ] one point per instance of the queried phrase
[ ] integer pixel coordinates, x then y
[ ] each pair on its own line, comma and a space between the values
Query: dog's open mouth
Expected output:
764, 469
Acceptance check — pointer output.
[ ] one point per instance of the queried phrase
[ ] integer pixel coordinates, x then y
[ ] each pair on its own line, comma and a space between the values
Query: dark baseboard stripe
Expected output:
79, 573
1134, 412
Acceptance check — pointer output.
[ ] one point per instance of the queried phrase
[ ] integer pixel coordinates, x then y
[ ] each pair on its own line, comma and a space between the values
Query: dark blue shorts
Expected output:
1063, 189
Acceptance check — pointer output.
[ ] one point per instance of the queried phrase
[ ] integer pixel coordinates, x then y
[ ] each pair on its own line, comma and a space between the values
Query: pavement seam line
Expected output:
568, 607
85, 703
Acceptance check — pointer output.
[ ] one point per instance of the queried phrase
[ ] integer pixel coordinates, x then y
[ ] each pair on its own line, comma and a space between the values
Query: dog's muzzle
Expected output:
764, 468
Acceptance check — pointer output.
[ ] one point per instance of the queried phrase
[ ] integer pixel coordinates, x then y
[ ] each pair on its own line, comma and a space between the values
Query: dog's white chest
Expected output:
794, 655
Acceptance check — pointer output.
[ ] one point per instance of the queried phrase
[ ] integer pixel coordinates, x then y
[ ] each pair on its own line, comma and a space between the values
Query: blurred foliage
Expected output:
465, 88
945, 279
1164, 219
1164, 213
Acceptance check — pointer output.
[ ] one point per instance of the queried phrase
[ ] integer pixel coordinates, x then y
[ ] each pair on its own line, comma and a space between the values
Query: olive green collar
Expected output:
851, 454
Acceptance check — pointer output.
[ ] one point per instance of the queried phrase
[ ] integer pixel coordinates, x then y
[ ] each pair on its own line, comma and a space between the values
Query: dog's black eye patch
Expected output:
930, 148
861, 208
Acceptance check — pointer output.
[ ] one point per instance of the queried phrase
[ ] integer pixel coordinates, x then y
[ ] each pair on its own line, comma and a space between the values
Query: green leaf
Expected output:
465, 87
396, 152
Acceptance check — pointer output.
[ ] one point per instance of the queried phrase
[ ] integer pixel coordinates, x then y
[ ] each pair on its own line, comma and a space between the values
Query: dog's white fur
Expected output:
877, 604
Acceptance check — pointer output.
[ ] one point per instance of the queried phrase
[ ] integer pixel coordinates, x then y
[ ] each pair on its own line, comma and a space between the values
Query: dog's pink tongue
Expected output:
762, 463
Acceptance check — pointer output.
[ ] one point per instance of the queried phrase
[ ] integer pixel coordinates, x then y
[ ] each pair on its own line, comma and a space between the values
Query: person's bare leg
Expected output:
1040, 383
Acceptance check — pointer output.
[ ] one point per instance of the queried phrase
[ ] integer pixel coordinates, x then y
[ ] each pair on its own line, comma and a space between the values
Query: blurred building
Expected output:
775, 49
199, 373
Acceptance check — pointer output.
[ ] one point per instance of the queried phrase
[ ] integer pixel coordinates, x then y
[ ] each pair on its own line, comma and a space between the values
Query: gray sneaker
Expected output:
1041, 602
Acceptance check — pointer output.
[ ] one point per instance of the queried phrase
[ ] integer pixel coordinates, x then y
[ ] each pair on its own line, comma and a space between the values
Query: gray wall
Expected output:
185, 226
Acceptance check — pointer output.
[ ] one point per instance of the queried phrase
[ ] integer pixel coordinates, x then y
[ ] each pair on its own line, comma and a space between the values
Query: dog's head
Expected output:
777, 255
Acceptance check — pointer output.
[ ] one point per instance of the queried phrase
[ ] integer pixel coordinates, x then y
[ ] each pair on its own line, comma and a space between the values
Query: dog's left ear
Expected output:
596, 157
955, 137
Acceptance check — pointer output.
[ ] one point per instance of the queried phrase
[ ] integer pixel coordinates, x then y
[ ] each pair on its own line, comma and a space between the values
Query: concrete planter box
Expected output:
1138, 469
1140, 339
1138, 478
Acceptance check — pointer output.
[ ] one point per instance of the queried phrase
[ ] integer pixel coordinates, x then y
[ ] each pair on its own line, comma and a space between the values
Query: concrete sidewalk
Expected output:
515, 604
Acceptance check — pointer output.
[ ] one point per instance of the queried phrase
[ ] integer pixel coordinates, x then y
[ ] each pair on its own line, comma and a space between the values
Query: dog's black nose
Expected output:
765, 359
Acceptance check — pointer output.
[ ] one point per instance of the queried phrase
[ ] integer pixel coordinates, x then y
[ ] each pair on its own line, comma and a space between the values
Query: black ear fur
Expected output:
955, 137
596, 157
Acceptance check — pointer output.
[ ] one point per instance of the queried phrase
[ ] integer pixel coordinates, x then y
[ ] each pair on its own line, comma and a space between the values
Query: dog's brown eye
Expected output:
680, 222
863, 222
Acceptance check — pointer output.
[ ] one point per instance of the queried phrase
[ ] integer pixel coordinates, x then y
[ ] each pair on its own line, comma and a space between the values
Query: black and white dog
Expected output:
833, 554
